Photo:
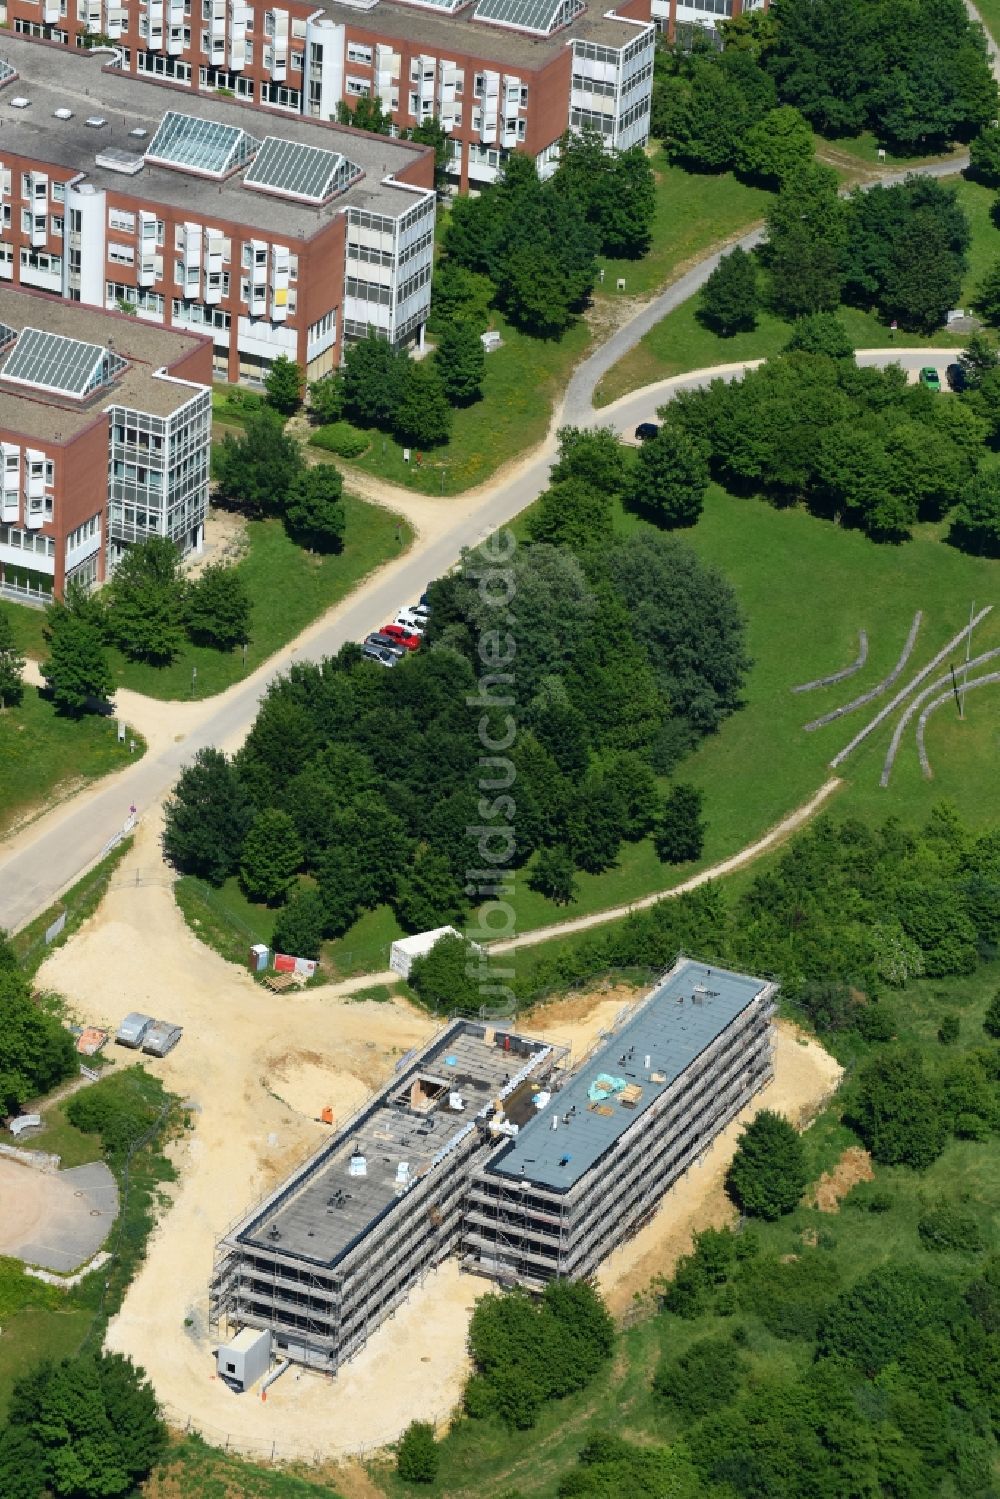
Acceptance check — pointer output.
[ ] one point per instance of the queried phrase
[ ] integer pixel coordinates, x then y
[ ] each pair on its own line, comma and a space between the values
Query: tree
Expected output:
460, 360
906, 251
897, 1111
669, 479
207, 818
430, 132
373, 377
428, 893
270, 857
314, 513
367, 114
217, 608
729, 300
36, 1051
978, 359
255, 472
680, 834
987, 298
283, 384
615, 189
417, 1454
450, 977
95, 1421
768, 1173
777, 146
805, 246
145, 602
571, 514
552, 875
326, 399
423, 417
298, 926
11, 665
871, 1323
595, 455
991, 1020
707, 1375
76, 670
821, 333
984, 156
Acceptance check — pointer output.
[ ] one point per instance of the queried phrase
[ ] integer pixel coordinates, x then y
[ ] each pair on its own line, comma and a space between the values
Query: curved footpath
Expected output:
52, 852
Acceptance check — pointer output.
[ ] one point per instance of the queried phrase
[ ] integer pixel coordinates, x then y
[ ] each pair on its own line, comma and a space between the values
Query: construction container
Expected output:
260, 956
403, 952
161, 1037
245, 1358
132, 1031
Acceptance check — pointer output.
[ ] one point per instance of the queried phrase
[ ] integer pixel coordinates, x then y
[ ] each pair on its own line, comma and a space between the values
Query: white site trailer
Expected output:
403, 953
245, 1358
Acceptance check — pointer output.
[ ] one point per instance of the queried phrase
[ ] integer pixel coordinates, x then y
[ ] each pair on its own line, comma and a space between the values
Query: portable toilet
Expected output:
259, 957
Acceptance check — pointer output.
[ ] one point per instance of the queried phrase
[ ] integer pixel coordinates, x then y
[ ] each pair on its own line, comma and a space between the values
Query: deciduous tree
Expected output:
283, 384
776, 146
422, 417
417, 1454
553, 875
145, 602
460, 360
768, 1173
298, 926
729, 300
76, 669
314, 513
680, 833
217, 608
207, 818
270, 857
255, 472
669, 479
11, 665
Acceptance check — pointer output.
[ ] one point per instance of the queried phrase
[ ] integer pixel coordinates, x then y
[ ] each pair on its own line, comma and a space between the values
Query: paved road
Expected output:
60, 847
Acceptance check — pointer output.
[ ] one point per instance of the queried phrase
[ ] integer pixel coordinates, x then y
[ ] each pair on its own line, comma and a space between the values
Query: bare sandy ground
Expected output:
28, 1199
257, 1070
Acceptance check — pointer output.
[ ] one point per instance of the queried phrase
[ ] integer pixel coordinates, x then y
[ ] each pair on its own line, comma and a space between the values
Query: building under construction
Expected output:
485, 1143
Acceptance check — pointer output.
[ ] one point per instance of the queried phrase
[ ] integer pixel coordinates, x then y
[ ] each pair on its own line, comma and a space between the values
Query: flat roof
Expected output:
57, 78
672, 1029
327, 1206
144, 346
461, 33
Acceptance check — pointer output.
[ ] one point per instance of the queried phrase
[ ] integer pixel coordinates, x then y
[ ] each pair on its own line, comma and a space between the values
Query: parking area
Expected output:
55, 1219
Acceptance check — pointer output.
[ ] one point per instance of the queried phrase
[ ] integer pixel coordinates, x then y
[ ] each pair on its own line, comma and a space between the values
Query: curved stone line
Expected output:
845, 671
914, 705
879, 688
904, 692
991, 679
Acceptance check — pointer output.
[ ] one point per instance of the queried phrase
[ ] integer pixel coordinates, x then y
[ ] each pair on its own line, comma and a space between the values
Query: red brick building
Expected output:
105, 427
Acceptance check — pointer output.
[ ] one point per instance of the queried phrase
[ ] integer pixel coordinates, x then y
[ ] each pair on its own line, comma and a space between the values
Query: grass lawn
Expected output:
35, 1334
989, 11
63, 1139
194, 1470
45, 757
694, 212
524, 378
680, 342
224, 918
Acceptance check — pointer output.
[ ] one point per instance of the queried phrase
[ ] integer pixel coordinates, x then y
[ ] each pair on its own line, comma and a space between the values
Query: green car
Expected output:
930, 377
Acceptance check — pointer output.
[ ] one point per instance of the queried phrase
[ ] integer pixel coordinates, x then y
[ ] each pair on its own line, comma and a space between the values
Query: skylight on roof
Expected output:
7, 335
292, 170
202, 146
64, 366
7, 71
540, 17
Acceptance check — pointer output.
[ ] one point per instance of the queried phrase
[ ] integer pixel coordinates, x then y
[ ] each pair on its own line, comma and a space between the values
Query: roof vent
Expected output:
357, 1165
114, 159
96, 122
19, 102
62, 114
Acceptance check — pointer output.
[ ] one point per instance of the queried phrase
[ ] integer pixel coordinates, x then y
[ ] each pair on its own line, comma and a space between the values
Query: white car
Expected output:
411, 620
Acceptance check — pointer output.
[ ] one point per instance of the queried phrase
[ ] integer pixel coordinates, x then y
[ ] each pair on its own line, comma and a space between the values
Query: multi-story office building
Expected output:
486, 1144
500, 75
105, 432
273, 235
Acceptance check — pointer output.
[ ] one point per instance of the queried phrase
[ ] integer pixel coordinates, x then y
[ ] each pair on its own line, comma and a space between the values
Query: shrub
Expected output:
943, 1227
417, 1457
342, 438
868, 1197
948, 1030
708, 1375
991, 1020
768, 1173
120, 1109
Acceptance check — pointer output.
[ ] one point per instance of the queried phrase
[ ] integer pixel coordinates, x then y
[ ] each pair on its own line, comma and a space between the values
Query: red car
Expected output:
405, 637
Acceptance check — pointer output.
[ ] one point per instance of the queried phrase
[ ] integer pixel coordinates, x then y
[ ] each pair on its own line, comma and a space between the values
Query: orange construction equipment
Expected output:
327, 1116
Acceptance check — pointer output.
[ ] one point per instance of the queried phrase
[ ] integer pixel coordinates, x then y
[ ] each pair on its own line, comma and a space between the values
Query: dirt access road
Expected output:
256, 1070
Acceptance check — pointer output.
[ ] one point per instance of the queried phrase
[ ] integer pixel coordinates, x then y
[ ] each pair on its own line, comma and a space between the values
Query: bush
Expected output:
867, 1197
948, 1030
342, 438
991, 1020
943, 1227
768, 1173
417, 1457
708, 1375
120, 1109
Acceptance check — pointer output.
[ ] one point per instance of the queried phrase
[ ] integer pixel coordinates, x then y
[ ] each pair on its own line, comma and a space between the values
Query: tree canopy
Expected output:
768, 1172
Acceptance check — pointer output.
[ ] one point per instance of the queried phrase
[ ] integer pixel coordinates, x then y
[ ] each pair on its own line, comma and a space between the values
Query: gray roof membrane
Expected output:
683, 1016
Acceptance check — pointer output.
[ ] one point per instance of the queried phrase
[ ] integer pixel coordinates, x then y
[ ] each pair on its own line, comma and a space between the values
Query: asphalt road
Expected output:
64, 843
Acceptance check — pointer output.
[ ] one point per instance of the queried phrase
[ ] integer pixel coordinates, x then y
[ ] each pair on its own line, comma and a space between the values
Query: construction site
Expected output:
487, 1144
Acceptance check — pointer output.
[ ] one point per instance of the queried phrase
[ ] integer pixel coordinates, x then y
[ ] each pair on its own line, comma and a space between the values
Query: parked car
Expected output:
646, 431
384, 642
956, 378
930, 377
402, 636
410, 620
381, 654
